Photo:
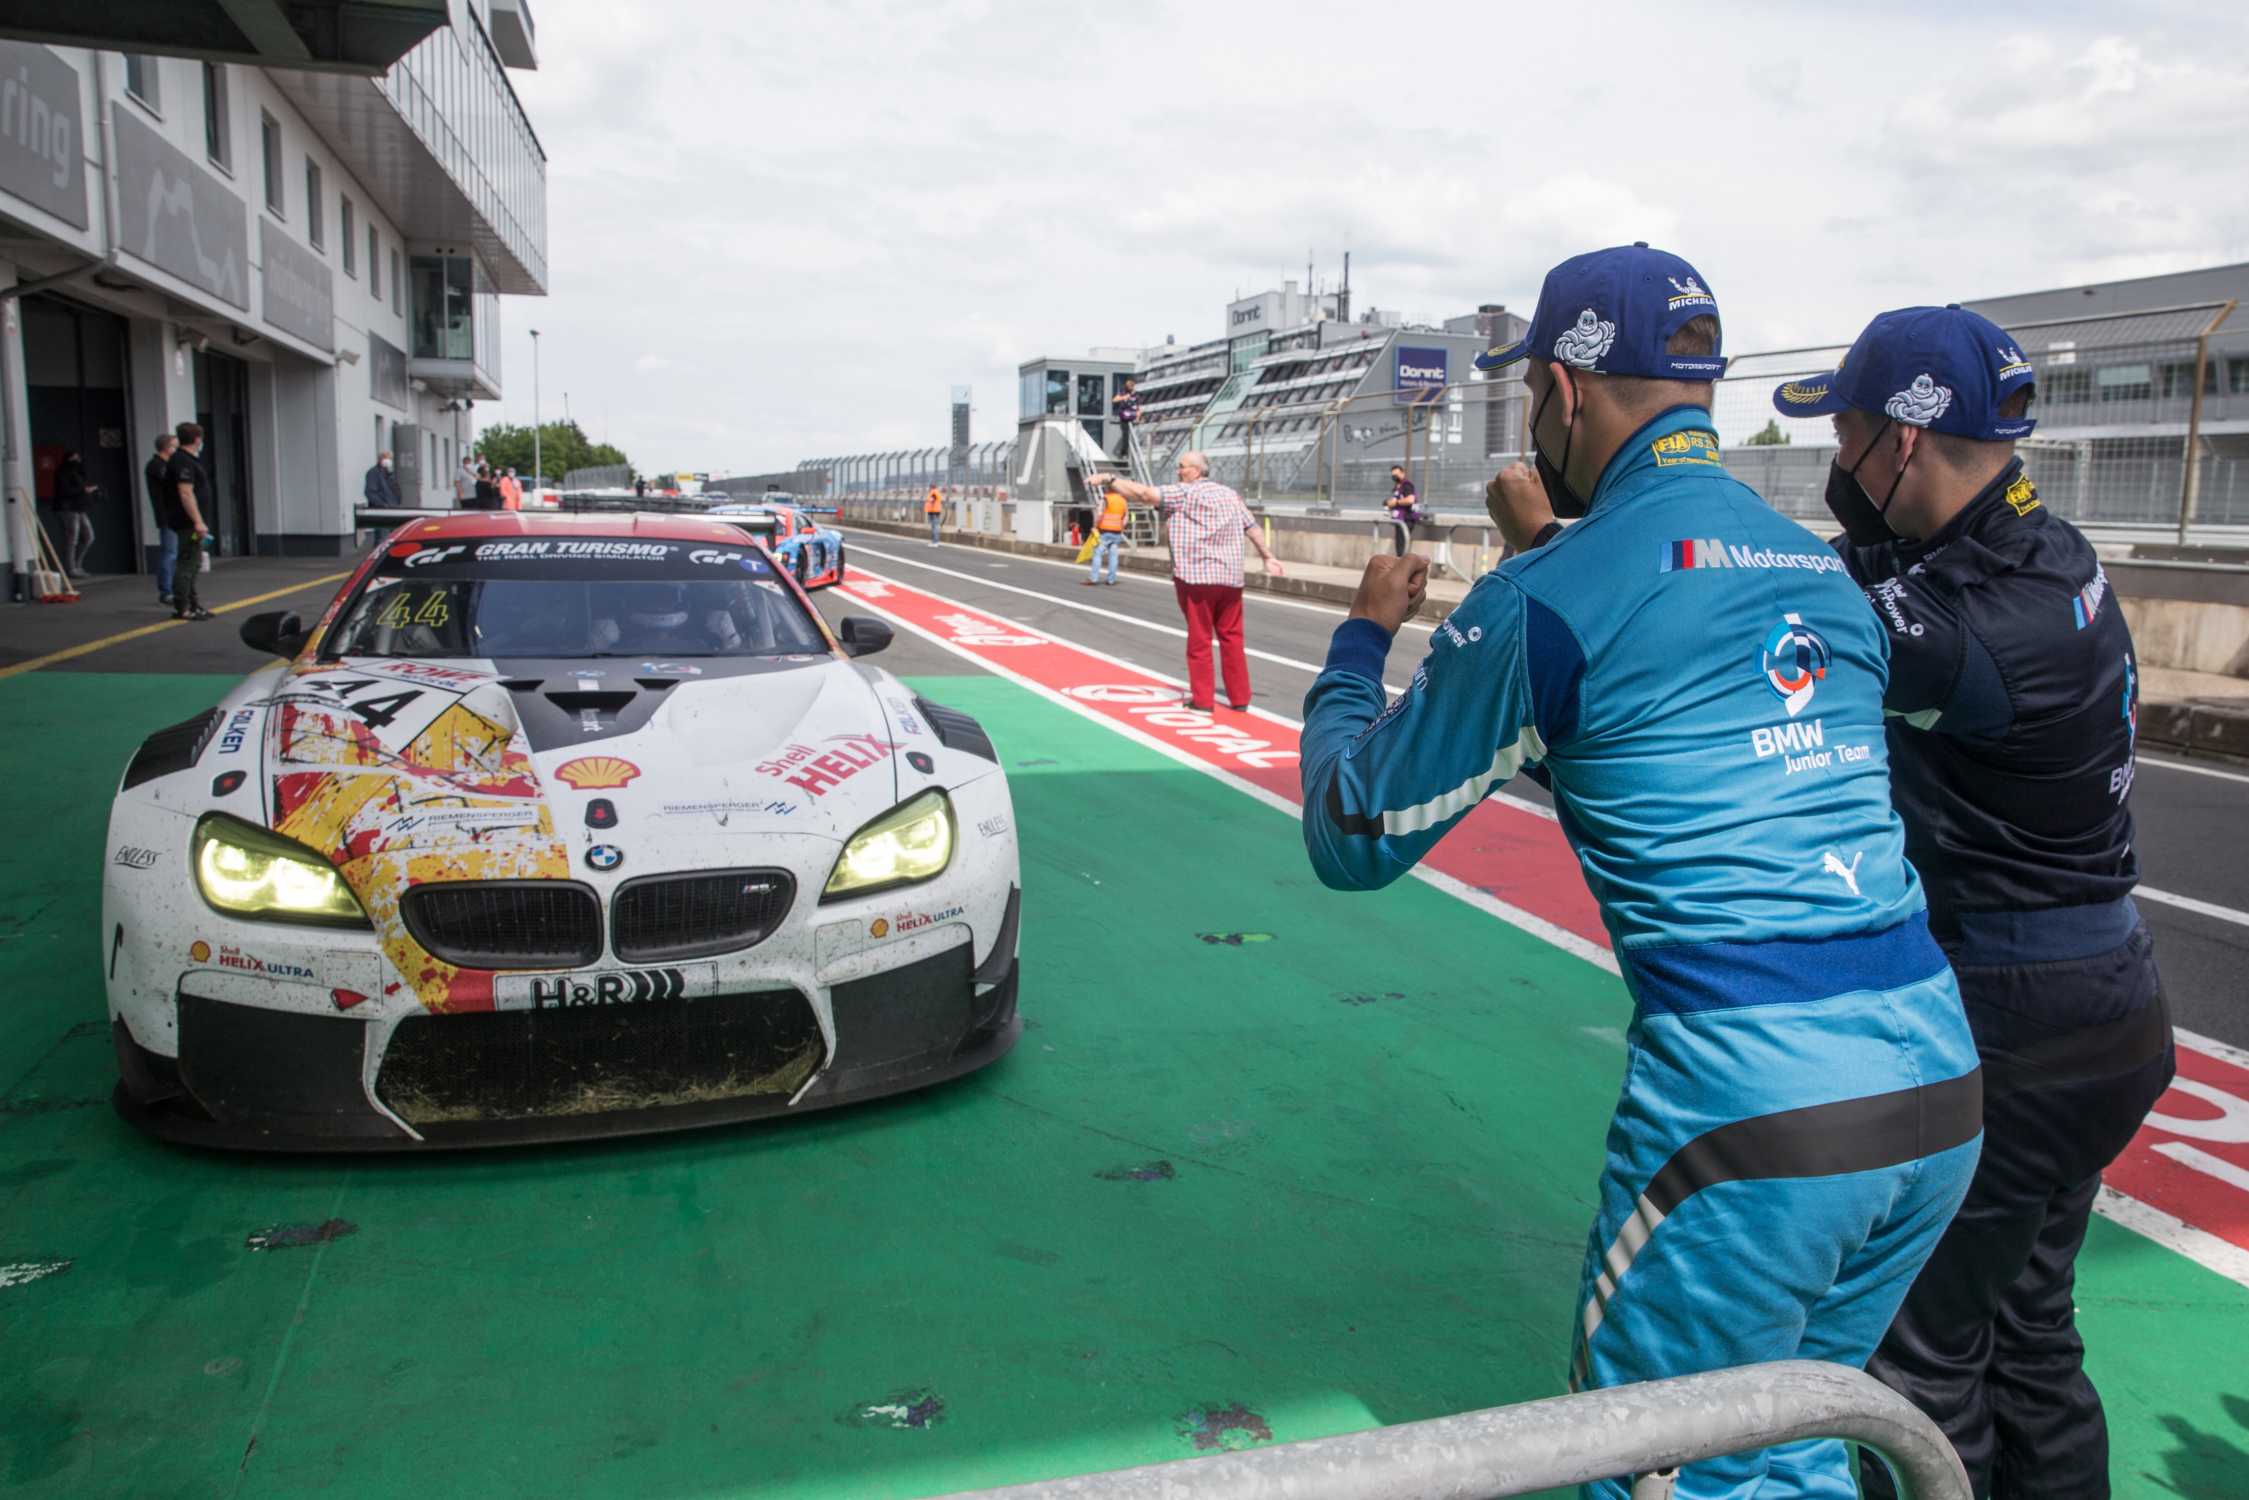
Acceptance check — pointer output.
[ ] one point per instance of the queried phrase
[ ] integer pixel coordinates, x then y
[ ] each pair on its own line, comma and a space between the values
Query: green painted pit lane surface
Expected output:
1335, 1174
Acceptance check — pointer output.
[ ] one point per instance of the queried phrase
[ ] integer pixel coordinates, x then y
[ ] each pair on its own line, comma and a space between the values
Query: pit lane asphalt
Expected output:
2193, 820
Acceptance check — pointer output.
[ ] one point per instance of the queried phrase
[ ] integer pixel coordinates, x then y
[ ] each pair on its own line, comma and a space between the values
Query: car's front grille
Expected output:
663, 917
599, 1059
506, 924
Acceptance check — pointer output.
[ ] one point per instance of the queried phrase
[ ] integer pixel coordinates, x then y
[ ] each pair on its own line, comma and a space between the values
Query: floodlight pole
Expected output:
538, 473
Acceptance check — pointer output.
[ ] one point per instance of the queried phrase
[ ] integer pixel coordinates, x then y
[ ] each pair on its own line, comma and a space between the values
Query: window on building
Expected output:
374, 263
2178, 379
2124, 382
141, 79
444, 307
269, 146
1027, 394
379, 440
2237, 375
1058, 393
2061, 386
217, 136
1091, 401
397, 285
316, 228
347, 234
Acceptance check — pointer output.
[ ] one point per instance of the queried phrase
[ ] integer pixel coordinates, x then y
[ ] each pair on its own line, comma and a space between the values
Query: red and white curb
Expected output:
2183, 1182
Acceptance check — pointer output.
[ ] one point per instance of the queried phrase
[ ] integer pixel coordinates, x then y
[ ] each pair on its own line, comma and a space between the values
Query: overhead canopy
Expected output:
332, 36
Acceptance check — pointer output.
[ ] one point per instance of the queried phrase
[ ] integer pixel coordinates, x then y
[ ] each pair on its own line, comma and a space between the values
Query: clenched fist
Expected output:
1391, 591
1516, 502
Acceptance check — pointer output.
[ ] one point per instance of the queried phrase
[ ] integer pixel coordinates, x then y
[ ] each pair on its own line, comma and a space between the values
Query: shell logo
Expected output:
593, 772
199, 952
878, 928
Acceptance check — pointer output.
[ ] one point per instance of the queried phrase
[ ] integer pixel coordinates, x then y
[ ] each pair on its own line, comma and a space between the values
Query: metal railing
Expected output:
908, 472
1644, 1430
600, 477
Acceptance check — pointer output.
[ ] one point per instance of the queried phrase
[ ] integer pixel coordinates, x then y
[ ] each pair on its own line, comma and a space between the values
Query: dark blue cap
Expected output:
1943, 368
1612, 311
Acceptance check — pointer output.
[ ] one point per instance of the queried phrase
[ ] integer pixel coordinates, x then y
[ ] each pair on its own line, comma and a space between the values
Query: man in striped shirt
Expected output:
1206, 523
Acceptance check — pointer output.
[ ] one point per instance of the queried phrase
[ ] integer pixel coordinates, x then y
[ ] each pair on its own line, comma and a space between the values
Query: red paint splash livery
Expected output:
2190, 1161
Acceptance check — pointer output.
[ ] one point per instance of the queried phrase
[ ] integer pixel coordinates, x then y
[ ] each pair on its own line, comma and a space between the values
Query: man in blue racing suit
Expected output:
2013, 702
1700, 686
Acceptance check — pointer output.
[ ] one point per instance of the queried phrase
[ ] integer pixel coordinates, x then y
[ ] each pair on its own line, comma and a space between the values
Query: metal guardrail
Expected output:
1642, 1430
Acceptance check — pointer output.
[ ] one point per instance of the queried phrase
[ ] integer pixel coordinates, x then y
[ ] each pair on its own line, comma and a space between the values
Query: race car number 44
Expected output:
617, 987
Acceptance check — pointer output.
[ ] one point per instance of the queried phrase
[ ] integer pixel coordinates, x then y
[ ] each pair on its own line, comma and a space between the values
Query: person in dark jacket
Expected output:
2014, 703
381, 485
487, 493
1404, 506
164, 501
73, 494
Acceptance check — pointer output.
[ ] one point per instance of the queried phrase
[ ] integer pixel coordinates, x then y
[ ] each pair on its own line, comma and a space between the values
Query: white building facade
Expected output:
306, 262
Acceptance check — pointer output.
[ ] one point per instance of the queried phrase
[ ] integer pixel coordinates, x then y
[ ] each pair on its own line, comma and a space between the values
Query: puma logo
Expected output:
1831, 863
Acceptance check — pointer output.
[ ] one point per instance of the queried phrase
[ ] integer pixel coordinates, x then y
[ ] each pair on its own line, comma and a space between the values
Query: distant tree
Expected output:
563, 446
1771, 437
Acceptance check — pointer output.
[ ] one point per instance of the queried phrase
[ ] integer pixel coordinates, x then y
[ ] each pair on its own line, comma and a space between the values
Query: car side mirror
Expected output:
862, 636
279, 632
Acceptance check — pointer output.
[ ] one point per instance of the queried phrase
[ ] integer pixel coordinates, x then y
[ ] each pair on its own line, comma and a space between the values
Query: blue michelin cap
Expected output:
1943, 368
1612, 311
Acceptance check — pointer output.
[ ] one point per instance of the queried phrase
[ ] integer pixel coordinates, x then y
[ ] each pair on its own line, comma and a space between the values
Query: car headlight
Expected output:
912, 842
245, 871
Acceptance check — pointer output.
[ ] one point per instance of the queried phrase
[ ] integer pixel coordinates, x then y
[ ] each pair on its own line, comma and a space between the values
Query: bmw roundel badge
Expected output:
605, 856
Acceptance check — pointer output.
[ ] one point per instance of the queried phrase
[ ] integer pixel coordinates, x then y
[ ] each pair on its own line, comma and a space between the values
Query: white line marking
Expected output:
24, 1271
1313, 668
2188, 903
2200, 1246
1250, 596
2180, 765
1484, 901
2222, 1051
2199, 1160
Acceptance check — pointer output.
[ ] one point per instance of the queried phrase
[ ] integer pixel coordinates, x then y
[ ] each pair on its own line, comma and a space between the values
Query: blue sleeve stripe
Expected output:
1556, 665
1359, 647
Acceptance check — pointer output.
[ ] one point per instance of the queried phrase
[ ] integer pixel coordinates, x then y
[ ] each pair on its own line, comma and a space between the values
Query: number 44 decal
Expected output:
378, 711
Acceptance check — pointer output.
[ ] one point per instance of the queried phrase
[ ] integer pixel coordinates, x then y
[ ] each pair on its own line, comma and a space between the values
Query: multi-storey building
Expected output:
297, 239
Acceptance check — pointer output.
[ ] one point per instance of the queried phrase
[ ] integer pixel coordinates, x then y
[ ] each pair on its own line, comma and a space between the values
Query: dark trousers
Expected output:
1124, 441
1214, 609
187, 579
2075, 1054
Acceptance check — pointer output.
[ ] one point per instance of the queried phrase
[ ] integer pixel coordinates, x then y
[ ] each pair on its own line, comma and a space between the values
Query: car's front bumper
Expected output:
252, 1077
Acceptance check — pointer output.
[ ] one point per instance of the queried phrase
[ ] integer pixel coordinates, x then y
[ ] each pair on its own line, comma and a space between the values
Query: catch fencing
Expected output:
2143, 431
600, 477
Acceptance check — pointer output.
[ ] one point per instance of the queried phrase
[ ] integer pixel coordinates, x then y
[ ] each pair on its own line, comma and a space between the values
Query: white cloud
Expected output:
778, 232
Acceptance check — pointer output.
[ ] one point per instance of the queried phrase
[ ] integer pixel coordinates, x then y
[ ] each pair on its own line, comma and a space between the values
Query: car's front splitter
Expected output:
251, 1078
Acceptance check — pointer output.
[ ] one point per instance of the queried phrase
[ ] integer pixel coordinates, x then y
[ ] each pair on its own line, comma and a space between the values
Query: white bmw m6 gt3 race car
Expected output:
554, 827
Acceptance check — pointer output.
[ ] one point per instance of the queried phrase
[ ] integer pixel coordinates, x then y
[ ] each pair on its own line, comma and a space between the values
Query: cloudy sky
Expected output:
783, 231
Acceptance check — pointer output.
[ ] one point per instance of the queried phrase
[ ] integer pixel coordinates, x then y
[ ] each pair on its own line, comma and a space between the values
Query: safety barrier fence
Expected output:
1646, 1430
903, 471
600, 477
2142, 424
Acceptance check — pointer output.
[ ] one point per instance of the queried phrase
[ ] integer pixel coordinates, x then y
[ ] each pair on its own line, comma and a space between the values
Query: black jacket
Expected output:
380, 487
2015, 700
71, 489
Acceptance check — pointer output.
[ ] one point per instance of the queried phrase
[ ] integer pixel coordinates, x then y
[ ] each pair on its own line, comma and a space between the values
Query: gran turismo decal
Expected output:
591, 773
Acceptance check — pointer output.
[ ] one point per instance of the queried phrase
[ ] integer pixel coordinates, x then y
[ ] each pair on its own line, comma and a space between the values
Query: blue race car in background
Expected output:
814, 553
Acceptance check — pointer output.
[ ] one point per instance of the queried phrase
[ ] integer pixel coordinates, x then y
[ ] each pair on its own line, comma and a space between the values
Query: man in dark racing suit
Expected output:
2013, 699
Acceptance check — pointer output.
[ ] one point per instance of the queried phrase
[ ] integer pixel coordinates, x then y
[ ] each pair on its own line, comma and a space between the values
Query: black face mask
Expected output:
1567, 503
1862, 520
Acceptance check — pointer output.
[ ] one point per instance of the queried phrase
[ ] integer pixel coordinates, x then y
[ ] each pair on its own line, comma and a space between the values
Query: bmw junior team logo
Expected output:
609, 856
1795, 658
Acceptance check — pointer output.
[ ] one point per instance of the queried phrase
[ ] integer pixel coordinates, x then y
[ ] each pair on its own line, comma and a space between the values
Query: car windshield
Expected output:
574, 597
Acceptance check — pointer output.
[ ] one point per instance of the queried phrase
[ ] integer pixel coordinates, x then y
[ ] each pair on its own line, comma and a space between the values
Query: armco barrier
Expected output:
1646, 1429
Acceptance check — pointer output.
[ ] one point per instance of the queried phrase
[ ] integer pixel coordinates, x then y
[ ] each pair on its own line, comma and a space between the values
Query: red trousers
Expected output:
1213, 609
